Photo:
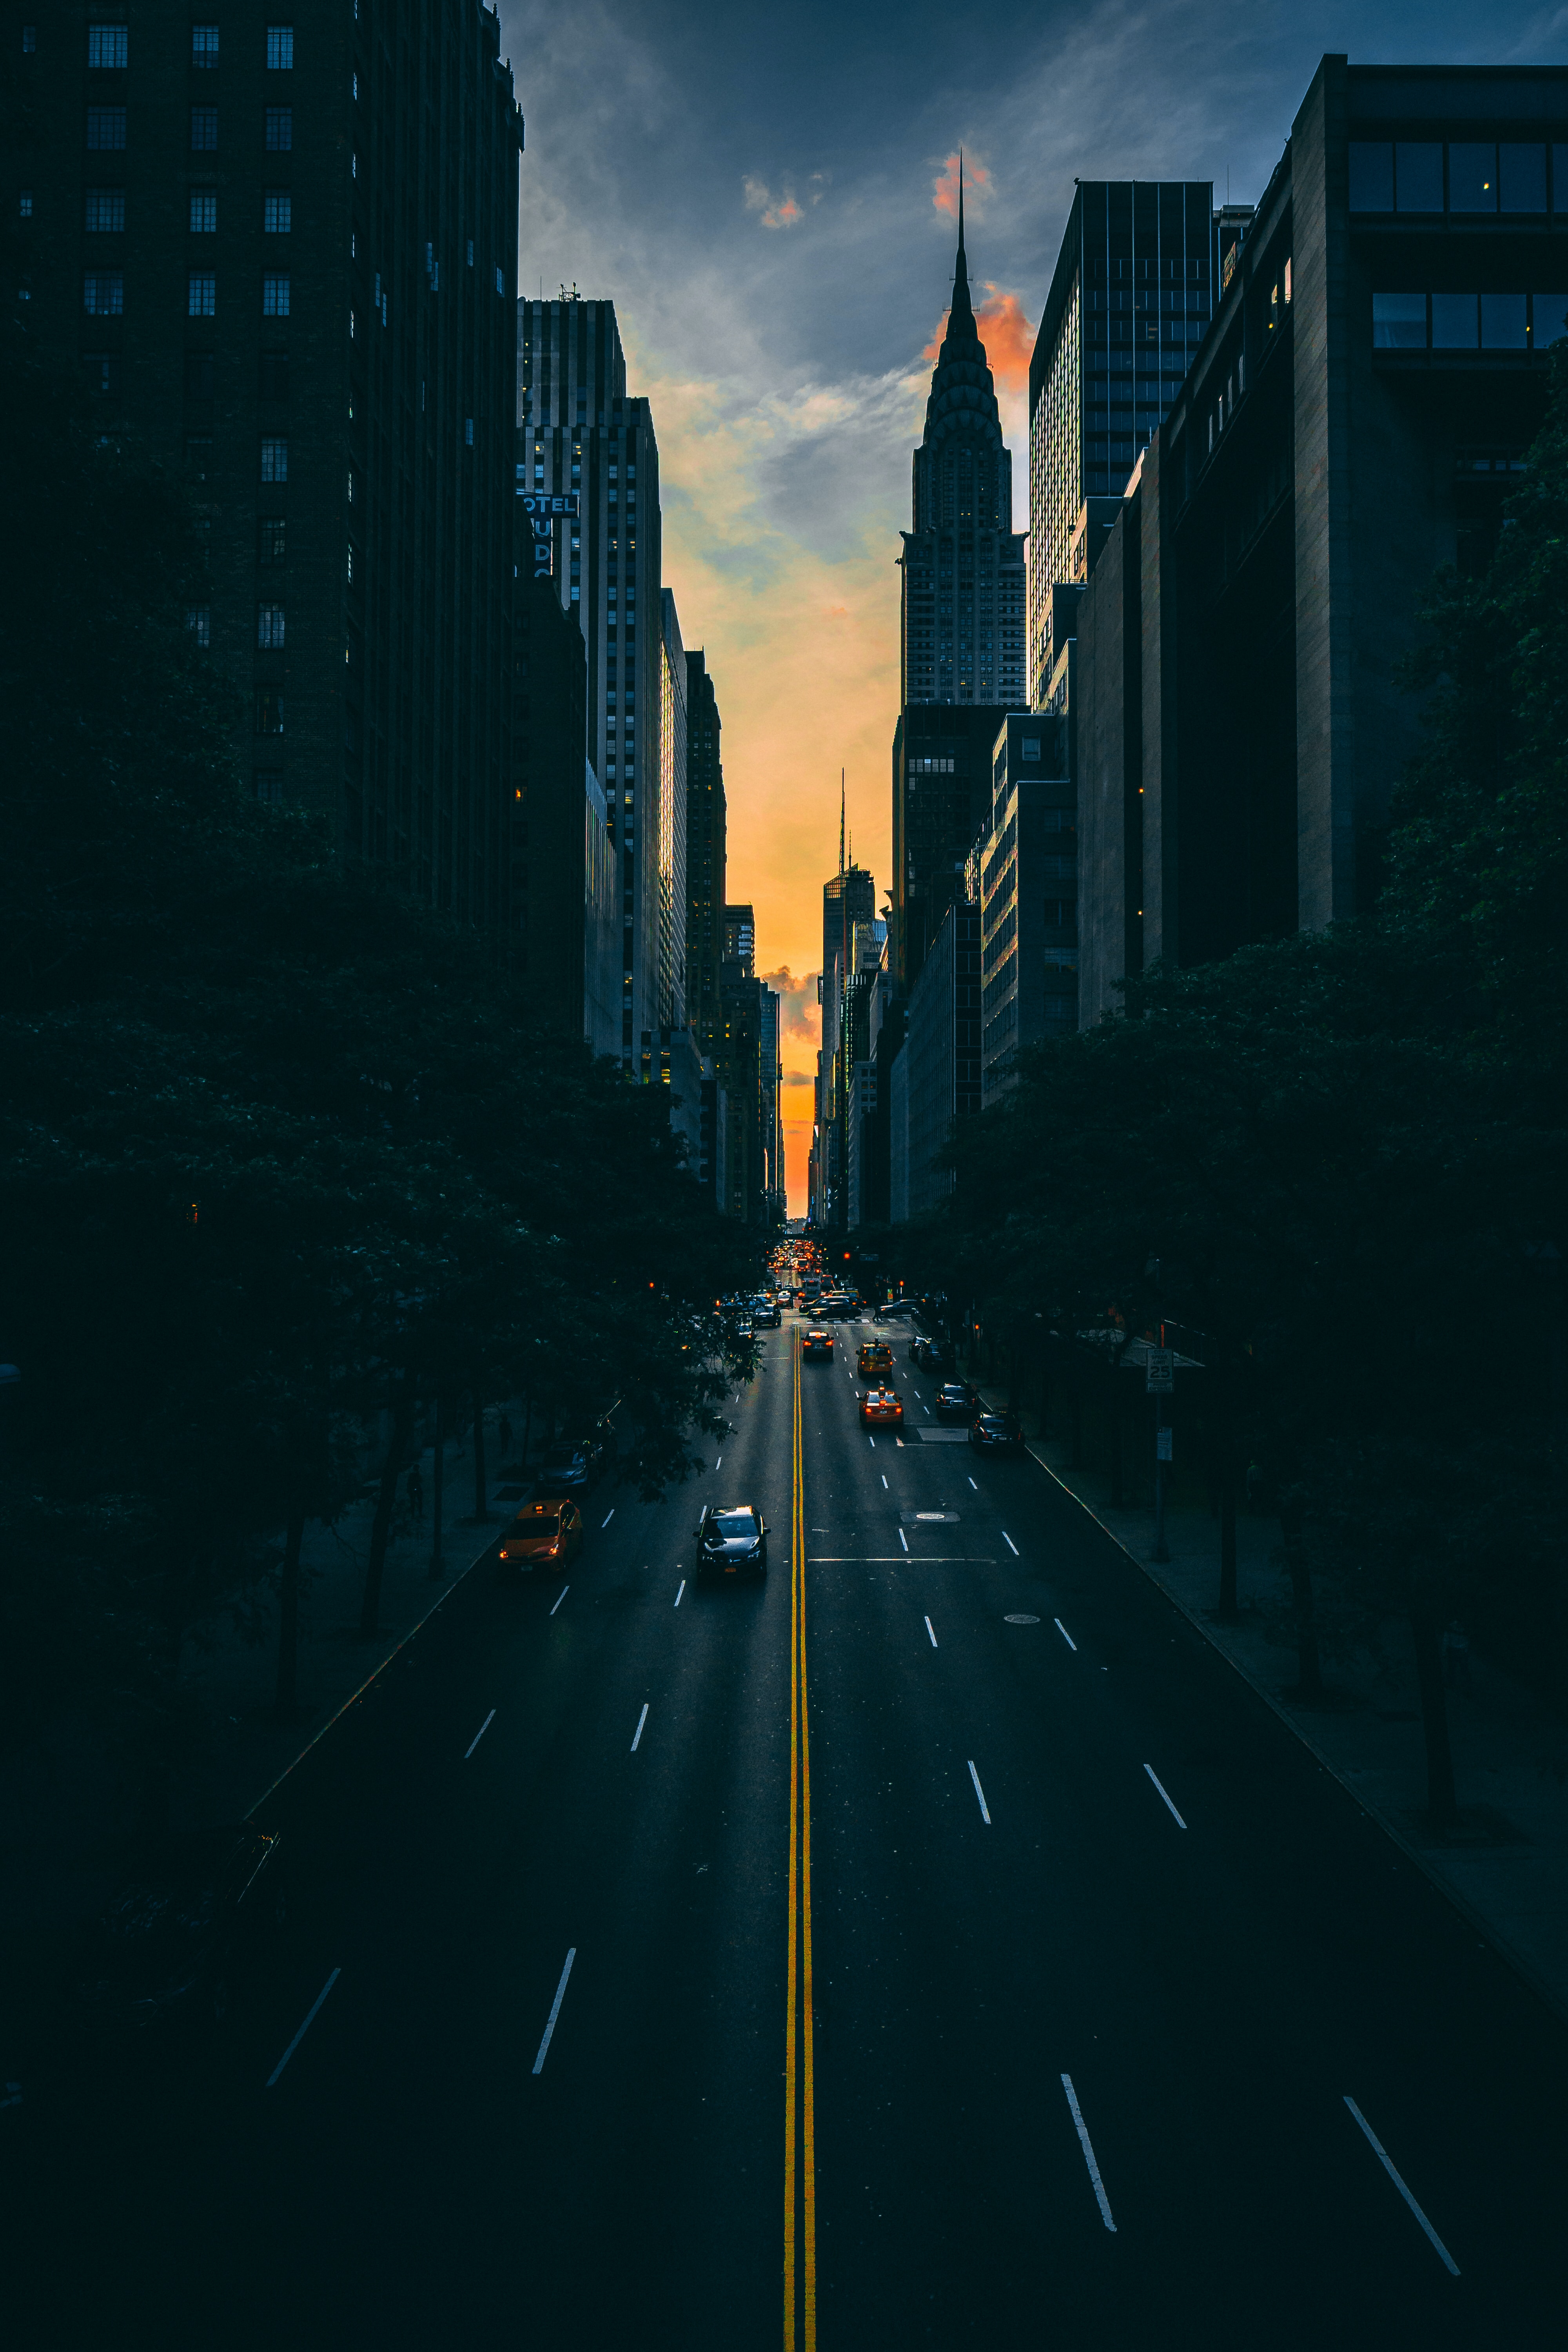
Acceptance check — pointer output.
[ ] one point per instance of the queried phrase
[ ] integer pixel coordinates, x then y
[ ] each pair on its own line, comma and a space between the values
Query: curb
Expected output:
376, 1672
1520, 1964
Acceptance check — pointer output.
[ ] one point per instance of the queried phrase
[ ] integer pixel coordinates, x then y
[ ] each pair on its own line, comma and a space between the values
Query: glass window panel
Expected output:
1372, 176
1399, 322
1502, 321
1418, 169
1454, 322
1547, 314
1472, 177
1521, 177
1560, 178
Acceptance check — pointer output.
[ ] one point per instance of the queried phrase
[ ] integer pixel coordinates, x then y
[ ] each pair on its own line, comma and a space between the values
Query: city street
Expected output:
1092, 2010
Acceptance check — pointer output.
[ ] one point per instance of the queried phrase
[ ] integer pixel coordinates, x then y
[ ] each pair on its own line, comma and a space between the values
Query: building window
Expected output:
279, 49
274, 461
270, 540
201, 295
269, 628
269, 711
105, 209
103, 293
1454, 322
470, 253
500, 282
1502, 323
29, 39
279, 129
269, 784
1372, 176
204, 213
469, 431
277, 212
203, 130
275, 298
199, 621
203, 44
108, 46
25, 204
1399, 322
1521, 177
1418, 176
106, 127
1548, 313
1472, 176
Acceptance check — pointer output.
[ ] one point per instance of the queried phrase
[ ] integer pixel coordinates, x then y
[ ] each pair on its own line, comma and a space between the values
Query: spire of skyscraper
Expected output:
841, 820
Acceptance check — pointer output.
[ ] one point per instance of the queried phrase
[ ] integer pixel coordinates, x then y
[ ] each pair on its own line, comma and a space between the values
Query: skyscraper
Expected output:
963, 634
671, 819
705, 851
963, 594
1129, 302
848, 901
578, 431
284, 257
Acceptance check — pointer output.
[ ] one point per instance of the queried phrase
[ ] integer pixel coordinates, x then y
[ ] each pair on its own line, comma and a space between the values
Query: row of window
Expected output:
105, 211
106, 130
103, 294
268, 631
1467, 322
108, 47
1465, 175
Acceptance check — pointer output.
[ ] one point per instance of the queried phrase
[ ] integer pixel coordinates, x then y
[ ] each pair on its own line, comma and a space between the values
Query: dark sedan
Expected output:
571, 1469
996, 1432
168, 1945
732, 1542
956, 1400
818, 1344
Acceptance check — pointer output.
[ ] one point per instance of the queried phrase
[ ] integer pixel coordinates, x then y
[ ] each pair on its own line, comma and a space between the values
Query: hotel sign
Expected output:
544, 509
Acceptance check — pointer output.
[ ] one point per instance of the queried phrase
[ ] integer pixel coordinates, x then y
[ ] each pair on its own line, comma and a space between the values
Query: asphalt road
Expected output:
1098, 1959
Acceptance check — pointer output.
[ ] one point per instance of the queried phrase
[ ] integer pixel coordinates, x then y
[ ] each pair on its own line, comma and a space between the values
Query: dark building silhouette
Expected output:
284, 257
941, 798
935, 1078
848, 901
1363, 401
565, 917
705, 853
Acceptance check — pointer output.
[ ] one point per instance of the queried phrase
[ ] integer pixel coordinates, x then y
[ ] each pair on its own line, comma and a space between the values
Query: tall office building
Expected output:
1130, 302
671, 819
580, 435
849, 899
705, 853
284, 257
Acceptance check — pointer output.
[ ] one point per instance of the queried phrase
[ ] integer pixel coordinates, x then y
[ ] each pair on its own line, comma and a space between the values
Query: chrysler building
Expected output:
964, 599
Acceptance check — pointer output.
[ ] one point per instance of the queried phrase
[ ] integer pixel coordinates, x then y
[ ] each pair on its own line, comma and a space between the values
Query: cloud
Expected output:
977, 187
800, 1017
782, 212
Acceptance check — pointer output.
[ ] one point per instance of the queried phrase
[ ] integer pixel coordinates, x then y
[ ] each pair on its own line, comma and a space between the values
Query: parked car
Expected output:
881, 1409
996, 1432
192, 1915
817, 1343
732, 1542
543, 1534
956, 1400
875, 1360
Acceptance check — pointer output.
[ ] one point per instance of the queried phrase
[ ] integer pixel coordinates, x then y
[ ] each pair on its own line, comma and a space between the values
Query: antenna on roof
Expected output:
841, 820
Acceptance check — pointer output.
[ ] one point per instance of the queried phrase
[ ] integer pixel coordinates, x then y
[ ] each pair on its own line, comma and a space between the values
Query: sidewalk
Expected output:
63, 1802
1506, 1866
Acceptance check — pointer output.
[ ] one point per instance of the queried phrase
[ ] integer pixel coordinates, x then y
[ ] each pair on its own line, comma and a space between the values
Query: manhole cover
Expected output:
1021, 1621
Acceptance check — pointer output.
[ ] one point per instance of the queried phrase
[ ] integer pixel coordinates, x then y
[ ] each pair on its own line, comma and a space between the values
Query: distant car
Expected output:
732, 1542
874, 1360
817, 1343
956, 1400
936, 1358
192, 1915
881, 1409
996, 1432
918, 1345
542, 1534
898, 1306
767, 1314
785, 1298
572, 1464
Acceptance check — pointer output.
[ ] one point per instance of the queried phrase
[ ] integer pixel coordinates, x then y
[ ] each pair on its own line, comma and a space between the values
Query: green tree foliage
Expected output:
1335, 1162
274, 1144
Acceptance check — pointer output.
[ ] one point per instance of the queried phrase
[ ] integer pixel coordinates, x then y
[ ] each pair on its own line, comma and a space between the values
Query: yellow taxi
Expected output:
543, 1534
875, 1359
882, 1408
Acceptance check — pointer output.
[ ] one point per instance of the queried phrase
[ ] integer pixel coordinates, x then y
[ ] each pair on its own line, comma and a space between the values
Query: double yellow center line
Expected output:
800, 2123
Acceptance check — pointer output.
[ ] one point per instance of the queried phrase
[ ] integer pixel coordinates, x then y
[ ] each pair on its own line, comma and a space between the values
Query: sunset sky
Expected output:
767, 197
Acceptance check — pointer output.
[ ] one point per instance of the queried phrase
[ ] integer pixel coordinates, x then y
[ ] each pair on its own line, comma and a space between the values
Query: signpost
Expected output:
1160, 1371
